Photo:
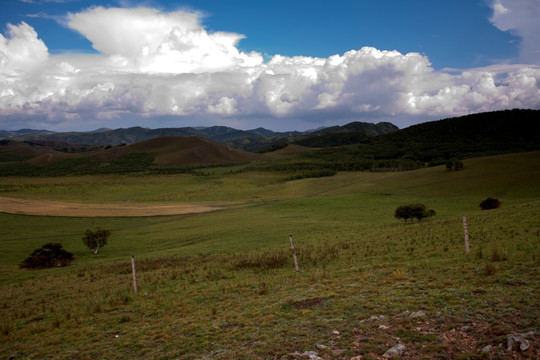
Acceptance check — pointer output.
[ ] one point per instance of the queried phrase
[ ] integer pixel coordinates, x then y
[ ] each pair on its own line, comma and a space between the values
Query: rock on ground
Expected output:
518, 341
396, 350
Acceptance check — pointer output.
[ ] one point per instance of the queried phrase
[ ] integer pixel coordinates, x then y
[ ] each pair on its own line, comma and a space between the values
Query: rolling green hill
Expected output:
178, 151
15, 151
174, 153
337, 149
222, 284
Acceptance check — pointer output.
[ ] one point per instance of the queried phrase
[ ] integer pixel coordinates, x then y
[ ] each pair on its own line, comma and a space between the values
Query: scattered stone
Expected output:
404, 314
311, 355
373, 318
357, 357
417, 314
524, 345
468, 328
487, 349
384, 327
395, 350
320, 346
306, 355
335, 332
517, 340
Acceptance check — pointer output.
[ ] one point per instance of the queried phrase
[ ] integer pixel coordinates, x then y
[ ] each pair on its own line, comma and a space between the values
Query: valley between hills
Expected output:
210, 226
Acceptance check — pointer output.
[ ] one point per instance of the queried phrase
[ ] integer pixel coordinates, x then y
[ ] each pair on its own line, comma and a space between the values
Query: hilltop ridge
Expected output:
251, 140
352, 147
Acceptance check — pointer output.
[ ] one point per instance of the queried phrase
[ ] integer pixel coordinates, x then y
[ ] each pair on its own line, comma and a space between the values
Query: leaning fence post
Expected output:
467, 249
294, 255
134, 274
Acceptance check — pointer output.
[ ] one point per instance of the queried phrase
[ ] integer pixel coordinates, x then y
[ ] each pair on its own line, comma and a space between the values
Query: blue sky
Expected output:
455, 34
283, 65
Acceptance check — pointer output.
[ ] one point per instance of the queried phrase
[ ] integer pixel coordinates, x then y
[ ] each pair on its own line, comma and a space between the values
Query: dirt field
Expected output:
55, 208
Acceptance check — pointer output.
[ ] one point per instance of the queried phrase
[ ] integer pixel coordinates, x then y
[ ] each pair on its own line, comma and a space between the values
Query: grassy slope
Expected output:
12, 151
191, 150
357, 262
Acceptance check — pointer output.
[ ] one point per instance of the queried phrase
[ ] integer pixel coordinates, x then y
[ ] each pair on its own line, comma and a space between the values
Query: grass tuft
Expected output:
498, 255
262, 287
489, 269
268, 259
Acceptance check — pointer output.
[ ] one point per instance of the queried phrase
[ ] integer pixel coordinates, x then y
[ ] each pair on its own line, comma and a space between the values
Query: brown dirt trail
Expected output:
56, 208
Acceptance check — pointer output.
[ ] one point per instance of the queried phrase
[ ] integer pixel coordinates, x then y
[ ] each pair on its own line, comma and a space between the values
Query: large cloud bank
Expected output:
153, 64
522, 18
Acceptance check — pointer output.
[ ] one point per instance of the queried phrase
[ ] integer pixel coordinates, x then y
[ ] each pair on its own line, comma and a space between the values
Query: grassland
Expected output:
222, 285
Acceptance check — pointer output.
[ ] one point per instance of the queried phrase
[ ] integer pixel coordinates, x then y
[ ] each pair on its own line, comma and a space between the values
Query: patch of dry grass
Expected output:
55, 208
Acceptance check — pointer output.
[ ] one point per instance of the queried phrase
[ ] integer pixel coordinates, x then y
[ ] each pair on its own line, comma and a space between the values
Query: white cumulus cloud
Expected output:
145, 40
153, 64
21, 50
520, 17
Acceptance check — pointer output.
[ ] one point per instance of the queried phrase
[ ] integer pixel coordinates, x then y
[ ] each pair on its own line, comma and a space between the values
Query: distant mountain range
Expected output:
249, 140
352, 147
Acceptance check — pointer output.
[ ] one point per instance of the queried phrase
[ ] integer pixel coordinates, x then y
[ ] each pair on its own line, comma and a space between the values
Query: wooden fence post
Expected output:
467, 249
294, 255
135, 288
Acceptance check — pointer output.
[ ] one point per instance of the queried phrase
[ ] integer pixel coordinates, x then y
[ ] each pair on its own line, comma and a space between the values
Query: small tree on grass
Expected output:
403, 212
413, 211
96, 239
49, 255
490, 203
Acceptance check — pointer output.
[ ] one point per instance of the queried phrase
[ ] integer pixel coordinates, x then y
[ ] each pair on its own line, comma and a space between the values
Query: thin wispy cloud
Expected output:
47, 1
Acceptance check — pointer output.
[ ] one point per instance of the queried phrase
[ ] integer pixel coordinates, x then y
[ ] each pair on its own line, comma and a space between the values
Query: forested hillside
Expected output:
432, 143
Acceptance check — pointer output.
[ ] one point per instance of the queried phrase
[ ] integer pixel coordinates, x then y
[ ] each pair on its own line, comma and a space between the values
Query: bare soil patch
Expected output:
56, 208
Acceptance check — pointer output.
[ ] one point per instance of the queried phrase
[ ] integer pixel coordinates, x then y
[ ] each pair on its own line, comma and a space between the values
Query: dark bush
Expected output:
413, 211
454, 165
490, 203
49, 255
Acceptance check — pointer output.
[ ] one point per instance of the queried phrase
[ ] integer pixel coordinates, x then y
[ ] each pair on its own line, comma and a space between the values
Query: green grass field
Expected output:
222, 285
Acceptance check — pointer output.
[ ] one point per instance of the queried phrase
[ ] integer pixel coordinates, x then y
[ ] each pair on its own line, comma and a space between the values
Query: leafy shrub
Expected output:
413, 211
96, 239
49, 255
490, 203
